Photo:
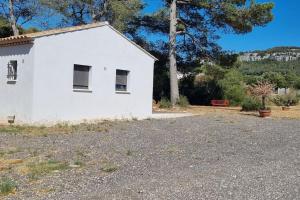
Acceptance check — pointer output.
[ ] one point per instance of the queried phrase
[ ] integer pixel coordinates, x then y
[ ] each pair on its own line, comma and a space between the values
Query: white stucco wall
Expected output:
104, 50
16, 98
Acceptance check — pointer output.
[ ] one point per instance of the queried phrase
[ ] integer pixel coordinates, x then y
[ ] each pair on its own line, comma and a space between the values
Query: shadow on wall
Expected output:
15, 50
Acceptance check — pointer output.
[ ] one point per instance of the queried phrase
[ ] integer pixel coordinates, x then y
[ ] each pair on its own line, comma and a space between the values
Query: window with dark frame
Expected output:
12, 70
122, 80
81, 77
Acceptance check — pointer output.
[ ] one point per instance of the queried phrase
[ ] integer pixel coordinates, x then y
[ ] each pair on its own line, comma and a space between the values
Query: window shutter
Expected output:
121, 79
81, 76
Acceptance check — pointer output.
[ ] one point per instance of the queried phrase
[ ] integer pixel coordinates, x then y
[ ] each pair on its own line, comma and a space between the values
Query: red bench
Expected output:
223, 103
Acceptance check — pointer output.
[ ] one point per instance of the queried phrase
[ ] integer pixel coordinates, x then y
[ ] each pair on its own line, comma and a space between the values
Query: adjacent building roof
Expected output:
29, 38
15, 40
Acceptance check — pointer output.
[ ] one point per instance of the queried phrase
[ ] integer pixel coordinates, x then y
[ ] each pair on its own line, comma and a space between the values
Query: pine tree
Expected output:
76, 12
192, 25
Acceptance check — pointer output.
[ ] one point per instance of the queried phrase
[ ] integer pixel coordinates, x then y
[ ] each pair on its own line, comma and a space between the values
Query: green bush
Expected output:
275, 78
290, 99
235, 95
7, 186
233, 87
297, 84
165, 103
251, 104
183, 101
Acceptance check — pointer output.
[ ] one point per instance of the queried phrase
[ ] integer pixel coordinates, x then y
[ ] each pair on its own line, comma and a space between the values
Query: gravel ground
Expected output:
186, 158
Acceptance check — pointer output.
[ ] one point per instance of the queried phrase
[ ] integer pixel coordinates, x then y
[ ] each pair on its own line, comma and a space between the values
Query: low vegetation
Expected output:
129, 152
260, 67
7, 186
289, 99
79, 163
37, 170
233, 87
109, 167
9, 151
165, 103
63, 128
251, 104
183, 102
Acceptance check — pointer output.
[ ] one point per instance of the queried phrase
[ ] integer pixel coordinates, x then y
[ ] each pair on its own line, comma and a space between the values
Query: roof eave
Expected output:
16, 41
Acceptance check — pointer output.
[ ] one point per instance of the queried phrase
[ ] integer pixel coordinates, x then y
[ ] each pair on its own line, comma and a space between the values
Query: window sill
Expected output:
12, 81
82, 90
122, 92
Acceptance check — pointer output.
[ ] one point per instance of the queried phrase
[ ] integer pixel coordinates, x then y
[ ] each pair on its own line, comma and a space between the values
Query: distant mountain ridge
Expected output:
283, 53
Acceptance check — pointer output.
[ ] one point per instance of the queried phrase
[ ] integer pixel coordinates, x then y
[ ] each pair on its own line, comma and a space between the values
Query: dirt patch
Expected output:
277, 112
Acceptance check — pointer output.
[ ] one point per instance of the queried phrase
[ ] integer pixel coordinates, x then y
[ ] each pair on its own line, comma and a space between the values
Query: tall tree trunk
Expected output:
13, 18
172, 54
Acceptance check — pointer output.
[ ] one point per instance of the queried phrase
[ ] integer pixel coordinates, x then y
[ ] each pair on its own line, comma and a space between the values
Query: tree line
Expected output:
184, 31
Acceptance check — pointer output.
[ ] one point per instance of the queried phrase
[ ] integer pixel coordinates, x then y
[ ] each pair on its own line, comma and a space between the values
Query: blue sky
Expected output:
283, 31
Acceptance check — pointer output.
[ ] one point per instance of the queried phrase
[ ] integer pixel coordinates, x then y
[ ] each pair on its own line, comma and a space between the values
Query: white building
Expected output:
79, 73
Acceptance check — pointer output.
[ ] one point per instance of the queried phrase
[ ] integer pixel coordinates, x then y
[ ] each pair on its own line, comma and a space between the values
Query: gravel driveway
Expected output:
186, 158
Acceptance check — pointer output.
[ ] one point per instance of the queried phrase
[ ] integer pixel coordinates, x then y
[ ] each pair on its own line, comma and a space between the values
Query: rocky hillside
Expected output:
276, 54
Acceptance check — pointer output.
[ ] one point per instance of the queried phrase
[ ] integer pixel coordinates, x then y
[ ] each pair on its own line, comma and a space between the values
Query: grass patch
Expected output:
79, 163
37, 170
9, 151
172, 149
165, 103
183, 102
7, 186
2, 153
62, 128
129, 152
109, 167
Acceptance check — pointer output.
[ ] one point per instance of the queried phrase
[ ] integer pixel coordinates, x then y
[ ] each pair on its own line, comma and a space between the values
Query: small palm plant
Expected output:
262, 89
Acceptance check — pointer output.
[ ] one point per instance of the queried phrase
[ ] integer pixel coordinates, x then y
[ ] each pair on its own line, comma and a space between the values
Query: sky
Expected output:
284, 30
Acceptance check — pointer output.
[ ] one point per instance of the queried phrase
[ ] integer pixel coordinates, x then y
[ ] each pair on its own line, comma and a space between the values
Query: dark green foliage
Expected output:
5, 28
275, 78
213, 72
202, 93
120, 13
228, 60
260, 67
250, 80
281, 74
292, 79
202, 88
233, 87
297, 83
251, 104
